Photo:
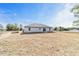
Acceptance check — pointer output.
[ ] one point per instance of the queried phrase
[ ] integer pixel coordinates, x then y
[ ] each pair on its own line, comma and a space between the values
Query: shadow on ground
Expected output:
36, 33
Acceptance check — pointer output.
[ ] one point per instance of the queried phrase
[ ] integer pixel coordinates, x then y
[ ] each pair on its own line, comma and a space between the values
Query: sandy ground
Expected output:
5, 35
41, 44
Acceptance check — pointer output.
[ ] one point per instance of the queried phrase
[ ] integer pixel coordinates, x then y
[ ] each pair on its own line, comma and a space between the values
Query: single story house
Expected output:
33, 28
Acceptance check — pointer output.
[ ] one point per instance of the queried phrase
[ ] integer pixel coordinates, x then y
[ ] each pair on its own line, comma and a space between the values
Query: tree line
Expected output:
12, 27
16, 27
60, 28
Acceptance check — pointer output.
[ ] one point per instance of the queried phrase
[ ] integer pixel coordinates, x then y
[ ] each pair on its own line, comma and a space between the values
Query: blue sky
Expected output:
27, 13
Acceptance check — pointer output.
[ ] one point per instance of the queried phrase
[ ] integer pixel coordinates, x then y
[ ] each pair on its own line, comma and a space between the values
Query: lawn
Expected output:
40, 44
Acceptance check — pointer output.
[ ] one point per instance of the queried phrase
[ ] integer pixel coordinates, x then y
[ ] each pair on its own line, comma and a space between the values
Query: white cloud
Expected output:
64, 17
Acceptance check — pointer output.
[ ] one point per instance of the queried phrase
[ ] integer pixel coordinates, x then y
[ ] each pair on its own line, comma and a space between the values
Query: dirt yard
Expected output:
41, 44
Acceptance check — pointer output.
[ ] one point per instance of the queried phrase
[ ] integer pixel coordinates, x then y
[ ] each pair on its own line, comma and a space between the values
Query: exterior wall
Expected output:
26, 30
51, 29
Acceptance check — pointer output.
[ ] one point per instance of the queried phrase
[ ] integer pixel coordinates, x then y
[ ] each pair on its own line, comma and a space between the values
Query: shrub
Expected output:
12, 27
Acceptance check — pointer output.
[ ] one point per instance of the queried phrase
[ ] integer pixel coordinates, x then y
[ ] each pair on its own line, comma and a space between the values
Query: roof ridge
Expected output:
37, 25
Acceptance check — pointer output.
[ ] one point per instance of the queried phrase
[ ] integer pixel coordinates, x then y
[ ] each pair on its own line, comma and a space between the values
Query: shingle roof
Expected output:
37, 25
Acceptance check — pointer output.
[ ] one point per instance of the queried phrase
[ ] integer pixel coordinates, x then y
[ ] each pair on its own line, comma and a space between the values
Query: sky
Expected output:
52, 14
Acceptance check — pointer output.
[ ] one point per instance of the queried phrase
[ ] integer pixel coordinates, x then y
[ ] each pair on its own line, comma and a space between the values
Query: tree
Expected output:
75, 11
61, 28
12, 27
55, 28
8, 27
20, 27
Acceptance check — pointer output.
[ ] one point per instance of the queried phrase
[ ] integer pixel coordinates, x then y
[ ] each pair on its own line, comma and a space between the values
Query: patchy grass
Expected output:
59, 43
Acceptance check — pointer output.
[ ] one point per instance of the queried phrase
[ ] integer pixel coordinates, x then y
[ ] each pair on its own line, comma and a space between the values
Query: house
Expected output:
33, 28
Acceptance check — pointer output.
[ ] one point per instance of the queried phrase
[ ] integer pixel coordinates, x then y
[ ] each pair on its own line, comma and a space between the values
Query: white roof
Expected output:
37, 25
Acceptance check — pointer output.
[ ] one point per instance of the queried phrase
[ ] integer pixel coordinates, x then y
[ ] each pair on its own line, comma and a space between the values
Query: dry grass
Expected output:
47, 44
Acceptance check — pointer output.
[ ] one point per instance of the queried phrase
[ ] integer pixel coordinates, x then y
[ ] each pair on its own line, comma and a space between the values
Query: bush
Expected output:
61, 29
12, 27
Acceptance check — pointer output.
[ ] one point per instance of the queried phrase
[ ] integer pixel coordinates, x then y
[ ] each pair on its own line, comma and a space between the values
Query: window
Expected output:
29, 29
44, 29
